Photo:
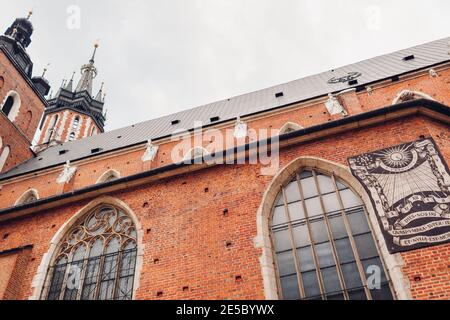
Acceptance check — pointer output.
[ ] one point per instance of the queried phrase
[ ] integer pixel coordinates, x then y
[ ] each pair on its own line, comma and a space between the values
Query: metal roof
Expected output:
366, 72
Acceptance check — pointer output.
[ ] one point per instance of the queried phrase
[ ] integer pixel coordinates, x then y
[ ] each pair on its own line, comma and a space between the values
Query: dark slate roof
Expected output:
371, 70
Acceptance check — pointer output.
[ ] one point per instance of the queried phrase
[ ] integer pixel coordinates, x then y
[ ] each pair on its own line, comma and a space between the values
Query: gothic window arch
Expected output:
109, 175
11, 105
290, 127
28, 197
323, 243
96, 258
4, 156
72, 136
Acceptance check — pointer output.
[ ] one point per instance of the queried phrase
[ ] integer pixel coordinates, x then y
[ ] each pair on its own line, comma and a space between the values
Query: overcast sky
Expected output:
159, 57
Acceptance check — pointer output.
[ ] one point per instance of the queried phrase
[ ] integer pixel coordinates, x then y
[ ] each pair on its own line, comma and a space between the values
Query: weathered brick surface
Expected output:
186, 231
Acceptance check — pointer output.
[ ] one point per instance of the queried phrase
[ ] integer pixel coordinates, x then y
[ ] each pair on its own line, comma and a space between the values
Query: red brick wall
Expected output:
185, 230
13, 266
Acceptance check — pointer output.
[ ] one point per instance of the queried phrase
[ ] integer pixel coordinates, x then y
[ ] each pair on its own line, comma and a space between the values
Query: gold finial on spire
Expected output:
30, 13
96, 45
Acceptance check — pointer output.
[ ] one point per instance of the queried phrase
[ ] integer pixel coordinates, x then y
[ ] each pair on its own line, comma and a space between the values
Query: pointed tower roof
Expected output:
88, 73
69, 84
99, 96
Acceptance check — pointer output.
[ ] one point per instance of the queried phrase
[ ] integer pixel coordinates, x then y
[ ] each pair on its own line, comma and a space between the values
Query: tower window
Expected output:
72, 136
8, 105
11, 105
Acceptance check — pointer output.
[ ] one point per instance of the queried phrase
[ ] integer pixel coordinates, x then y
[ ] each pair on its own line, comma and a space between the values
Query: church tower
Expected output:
74, 113
22, 96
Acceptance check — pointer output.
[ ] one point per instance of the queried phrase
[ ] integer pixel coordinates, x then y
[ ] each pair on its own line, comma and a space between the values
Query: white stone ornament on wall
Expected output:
150, 152
409, 186
333, 106
240, 129
67, 173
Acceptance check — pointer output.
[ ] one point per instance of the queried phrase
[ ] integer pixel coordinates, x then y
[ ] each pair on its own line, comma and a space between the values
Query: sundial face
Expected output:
409, 186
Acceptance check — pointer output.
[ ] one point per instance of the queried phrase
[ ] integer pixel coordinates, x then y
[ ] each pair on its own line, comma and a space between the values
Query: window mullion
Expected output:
362, 273
100, 272
117, 276
293, 246
330, 237
313, 249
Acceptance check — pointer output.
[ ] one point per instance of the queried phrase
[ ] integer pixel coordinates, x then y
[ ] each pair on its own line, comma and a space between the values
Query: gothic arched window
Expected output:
323, 242
96, 259
11, 105
72, 136
8, 105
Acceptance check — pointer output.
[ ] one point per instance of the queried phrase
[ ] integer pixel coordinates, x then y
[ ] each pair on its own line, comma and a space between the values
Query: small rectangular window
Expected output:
174, 122
214, 119
408, 58
279, 94
95, 150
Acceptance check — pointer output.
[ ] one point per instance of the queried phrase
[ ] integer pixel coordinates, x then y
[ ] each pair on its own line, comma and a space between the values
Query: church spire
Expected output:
88, 73
99, 96
69, 84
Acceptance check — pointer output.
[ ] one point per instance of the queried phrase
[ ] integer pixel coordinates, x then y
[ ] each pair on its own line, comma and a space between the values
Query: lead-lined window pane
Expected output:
325, 183
331, 202
296, 211
325, 255
289, 285
286, 263
282, 240
358, 222
313, 207
373, 266
301, 236
319, 231
349, 199
366, 246
351, 275
279, 216
331, 280
306, 259
384, 293
309, 187
344, 250
337, 226
310, 284
292, 192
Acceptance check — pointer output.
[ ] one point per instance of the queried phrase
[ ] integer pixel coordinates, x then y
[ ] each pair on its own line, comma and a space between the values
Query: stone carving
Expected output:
67, 173
150, 152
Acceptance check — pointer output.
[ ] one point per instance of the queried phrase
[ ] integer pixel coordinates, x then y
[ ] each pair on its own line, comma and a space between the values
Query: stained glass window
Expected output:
96, 259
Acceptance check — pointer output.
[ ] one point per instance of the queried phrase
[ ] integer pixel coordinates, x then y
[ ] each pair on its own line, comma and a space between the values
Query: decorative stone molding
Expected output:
408, 95
240, 129
67, 173
150, 152
39, 278
333, 106
433, 73
26, 195
108, 175
393, 262
290, 126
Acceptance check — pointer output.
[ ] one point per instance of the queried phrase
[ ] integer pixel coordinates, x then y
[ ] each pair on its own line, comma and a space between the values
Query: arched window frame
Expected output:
289, 126
195, 152
108, 175
27, 196
49, 257
4, 155
15, 107
393, 262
